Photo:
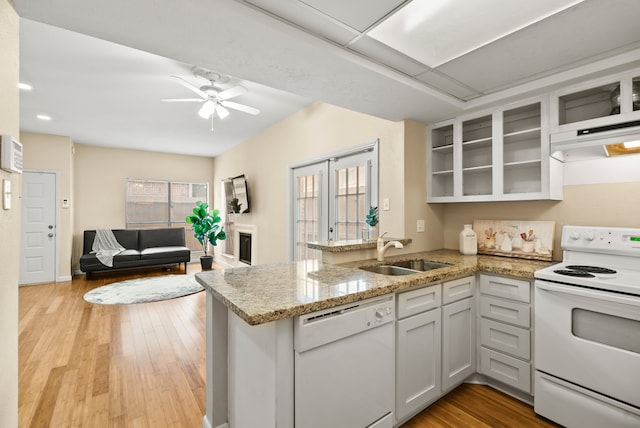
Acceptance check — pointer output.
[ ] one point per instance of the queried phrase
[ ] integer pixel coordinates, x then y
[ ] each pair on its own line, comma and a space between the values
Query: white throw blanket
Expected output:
105, 246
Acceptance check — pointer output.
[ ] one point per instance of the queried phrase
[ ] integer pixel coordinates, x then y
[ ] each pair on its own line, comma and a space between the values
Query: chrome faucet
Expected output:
382, 247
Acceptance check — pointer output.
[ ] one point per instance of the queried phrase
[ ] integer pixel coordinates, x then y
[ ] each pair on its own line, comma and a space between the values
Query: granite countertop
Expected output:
355, 244
265, 293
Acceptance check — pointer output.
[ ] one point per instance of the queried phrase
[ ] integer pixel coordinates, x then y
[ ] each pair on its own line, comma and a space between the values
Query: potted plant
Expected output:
371, 219
206, 230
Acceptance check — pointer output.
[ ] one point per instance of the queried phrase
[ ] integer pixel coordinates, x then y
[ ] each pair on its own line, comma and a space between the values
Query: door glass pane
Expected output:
350, 204
307, 215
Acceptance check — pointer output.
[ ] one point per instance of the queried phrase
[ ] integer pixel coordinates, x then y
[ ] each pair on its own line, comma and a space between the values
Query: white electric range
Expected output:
587, 330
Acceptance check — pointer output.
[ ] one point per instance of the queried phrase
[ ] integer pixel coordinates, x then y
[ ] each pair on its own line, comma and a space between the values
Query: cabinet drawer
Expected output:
458, 289
516, 289
504, 368
506, 311
420, 300
505, 338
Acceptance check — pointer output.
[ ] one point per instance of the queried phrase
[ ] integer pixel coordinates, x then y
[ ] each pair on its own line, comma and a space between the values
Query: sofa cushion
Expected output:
149, 238
172, 252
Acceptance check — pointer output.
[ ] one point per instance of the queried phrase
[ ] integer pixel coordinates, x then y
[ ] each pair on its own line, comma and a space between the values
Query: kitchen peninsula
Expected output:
250, 323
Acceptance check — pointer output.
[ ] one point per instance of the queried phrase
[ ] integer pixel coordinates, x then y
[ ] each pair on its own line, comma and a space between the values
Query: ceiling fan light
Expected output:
207, 109
221, 111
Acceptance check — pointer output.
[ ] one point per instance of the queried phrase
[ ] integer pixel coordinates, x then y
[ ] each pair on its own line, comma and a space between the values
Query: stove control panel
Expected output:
614, 240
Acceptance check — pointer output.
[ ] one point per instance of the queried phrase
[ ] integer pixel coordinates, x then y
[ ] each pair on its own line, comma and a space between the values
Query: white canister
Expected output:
468, 241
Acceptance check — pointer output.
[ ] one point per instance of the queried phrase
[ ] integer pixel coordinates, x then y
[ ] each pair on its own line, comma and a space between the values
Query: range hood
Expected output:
589, 143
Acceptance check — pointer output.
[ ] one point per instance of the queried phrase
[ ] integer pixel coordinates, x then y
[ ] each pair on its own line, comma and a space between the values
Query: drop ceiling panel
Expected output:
308, 18
589, 31
358, 14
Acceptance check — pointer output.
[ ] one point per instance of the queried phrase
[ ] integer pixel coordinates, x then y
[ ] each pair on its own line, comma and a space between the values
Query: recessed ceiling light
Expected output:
25, 86
43, 117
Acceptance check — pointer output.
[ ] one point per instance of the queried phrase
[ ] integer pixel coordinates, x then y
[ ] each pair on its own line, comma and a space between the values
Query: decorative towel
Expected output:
105, 246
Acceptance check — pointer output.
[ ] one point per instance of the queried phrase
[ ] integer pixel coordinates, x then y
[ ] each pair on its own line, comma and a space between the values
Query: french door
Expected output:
331, 197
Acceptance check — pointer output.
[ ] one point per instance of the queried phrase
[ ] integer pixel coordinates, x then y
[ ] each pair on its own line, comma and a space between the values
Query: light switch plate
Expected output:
385, 204
420, 226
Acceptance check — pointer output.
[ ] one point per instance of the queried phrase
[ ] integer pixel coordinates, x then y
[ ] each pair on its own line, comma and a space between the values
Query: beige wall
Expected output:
614, 204
316, 131
99, 183
52, 153
9, 221
415, 192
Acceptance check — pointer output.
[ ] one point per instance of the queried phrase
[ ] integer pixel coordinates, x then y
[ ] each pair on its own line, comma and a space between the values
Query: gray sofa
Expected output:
143, 247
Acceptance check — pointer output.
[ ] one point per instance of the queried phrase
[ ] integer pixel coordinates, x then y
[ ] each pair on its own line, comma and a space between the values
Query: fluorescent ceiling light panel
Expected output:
43, 117
437, 31
631, 144
25, 86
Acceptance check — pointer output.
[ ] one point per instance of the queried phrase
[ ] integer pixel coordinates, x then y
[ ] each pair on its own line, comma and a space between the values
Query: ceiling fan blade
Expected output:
181, 100
191, 87
240, 107
231, 92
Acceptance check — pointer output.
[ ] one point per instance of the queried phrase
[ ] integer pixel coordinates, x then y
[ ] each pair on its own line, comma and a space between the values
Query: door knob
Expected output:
50, 226
50, 235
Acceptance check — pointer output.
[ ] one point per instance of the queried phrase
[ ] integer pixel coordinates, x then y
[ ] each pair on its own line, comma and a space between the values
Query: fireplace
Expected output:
244, 247
246, 238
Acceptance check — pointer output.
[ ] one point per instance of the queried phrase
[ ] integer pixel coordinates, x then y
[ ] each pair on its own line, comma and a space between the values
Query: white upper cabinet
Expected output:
600, 102
498, 155
591, 119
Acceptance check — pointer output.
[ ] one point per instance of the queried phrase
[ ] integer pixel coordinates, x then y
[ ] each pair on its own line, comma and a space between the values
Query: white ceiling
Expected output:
100, 68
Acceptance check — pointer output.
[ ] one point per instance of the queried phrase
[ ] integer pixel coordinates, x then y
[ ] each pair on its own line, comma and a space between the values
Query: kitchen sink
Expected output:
389, 270
420, 265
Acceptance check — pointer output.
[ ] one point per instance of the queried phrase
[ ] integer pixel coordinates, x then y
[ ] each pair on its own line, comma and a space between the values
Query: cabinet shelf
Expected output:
521, 164
523, 135
445, 148
478, 142
481, 168
444, 172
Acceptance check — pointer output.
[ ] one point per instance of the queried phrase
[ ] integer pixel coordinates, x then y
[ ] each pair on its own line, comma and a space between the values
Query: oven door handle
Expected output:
588, 293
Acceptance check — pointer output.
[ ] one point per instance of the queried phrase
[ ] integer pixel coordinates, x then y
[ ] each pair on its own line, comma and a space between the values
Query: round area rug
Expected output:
144, 290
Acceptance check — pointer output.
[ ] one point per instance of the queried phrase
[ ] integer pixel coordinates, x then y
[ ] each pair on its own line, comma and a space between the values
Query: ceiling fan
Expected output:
214, 100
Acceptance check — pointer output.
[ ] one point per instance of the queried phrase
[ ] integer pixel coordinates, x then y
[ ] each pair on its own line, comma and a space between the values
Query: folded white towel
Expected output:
106, 246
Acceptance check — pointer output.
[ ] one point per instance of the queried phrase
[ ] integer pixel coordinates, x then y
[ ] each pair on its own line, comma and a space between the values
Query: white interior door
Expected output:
38, 242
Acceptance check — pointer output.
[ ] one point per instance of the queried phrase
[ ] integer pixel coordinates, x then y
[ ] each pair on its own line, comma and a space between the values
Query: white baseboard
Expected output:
206, 424
64, 278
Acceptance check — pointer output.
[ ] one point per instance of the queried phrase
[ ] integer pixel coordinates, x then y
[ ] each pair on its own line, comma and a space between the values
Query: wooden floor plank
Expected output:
143, 365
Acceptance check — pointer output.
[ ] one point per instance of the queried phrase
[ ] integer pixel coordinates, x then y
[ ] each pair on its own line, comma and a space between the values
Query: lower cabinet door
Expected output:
417, 361
458, 342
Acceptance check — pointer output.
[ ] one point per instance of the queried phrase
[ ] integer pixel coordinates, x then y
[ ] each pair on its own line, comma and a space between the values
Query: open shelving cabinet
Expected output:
502, 154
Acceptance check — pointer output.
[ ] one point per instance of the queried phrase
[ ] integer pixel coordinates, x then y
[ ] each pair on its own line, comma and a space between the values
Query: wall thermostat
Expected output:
11, 156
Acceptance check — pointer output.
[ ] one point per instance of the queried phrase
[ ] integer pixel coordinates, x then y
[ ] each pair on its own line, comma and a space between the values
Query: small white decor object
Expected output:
515, 238
468, 241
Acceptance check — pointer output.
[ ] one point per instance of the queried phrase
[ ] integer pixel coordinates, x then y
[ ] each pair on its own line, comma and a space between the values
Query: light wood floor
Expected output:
143, 365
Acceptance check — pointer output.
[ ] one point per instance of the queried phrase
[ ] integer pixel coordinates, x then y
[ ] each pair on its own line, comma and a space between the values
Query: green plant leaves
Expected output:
205, 227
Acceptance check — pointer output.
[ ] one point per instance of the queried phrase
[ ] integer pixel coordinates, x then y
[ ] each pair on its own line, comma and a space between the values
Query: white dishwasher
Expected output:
344, 366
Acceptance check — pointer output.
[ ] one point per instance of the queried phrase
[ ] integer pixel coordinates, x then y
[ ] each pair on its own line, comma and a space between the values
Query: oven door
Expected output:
590, 338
